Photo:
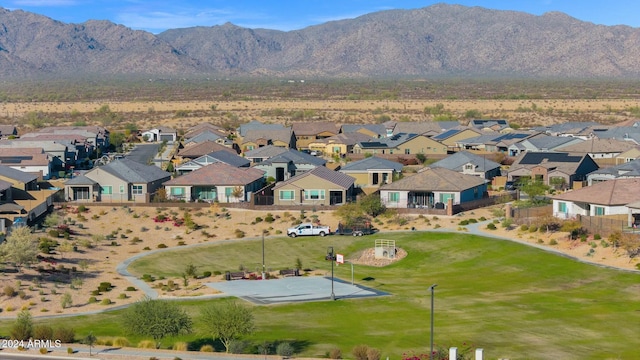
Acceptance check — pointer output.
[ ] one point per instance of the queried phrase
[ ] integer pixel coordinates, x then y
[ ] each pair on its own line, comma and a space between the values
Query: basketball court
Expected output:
293, 289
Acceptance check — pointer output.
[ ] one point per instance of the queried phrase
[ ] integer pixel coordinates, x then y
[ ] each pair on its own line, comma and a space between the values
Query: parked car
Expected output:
307, 229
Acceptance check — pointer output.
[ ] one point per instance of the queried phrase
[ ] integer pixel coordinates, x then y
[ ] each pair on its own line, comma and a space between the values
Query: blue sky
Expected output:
158, 15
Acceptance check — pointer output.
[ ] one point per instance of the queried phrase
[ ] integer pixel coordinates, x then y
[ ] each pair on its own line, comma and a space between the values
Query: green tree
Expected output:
227, 321
20, 247
371, 205
156, 318
473, 114
22, 328
52, 220
532, 187
116, 139
90, 340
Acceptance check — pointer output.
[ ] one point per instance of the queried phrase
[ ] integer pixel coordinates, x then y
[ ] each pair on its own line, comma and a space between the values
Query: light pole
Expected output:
263, 267
432, 288
331, 257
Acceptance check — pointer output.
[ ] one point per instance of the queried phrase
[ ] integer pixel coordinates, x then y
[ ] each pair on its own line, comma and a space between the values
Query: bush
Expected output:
92, 300
64, 334
237, 346
553, 242
130, 288
597, 237
9, 291
524, 227
162, 246
533, 228
180, 346
463, 223
70, 351
206, 348
359, 352
147, 344
105, 301
284, 349
491, 226
43, 332
206, 274
43, 350
122, 296
121, 342
335, 354
373, 354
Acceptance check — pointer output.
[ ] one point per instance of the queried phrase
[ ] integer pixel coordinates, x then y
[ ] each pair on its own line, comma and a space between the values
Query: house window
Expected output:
136, 190
250, 147
468, 167
314, 194
228, 191
287, 195
562, 207
599, 210
445, 197
177, 191
394, 197
107, 190
407, 151
121, 189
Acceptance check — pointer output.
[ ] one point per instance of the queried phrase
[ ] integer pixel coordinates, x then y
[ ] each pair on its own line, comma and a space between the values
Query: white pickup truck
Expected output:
306, 229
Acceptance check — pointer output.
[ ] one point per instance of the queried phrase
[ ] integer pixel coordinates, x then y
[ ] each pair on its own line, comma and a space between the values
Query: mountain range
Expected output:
438, 41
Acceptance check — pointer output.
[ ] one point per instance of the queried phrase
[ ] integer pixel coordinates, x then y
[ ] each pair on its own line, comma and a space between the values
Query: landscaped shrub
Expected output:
373, 354
533, 228
121, 342
9, 291
70, 351
359, 352
92, 300
64, 334
269, 218
491, 226
105, 301
237, 346
463, 223
335, 354
162, 246
43, 350
206, 274
130, 288
181, 346
597, 237
239, 233
206, 348
43, 332
284, 349
147, 344
122, 296
553, 242
524, 227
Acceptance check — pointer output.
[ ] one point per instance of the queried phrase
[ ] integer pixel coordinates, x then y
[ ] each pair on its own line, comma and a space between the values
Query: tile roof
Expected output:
339, 179
567, 163
372, 163
348, 139
610, 192
265, 152
203, 136
421, 127
257, 125
218, 174
296, 157
353, 128
631, 168
18, 175
203, 148
283, 135
458, 160
310, 128
437, 179
229, 158
133, 172
599, 146
80, 180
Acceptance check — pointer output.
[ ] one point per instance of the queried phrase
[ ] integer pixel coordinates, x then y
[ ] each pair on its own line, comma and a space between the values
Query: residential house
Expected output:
451, 137
96, 136
372, 130
253, 125
489, 124
599, 148
382, 146
204, 127
196, 150
218, 182
310, 131
433, 188
254, 139
206, 136
21, 199
422, 144
30, 160
288, 164
263, 153
494, 142
160, 134
468, 163
603, 198
372, 171
58, 152
567, 129
552, 168
8, 131
341, 144
625, 170
320, 186
629, 155
214, 157
427, 128
120, 180
75, 148
19, 180
541, 142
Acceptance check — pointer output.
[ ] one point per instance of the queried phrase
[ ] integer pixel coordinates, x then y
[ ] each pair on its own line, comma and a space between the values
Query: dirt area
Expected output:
133, 230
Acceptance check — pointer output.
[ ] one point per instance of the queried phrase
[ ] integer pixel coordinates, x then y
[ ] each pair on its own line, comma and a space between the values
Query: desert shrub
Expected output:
95, 292
491, 226
162, 246
147, 344
43, 350
64, 334
473, 221
121, 342
122, 296
359, 352
258, 219
181, 346
597, 237
9, 291
70, 350
335, 354
92, 300
43, 332
237, 346
463, 223
104, 341
206, 274
206, 348
533, 228
105, 301
373, 354
524, 227
269, 218
284, 349
130, 288
239, 233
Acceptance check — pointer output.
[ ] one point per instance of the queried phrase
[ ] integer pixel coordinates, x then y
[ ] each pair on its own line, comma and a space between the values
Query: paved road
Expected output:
144, 153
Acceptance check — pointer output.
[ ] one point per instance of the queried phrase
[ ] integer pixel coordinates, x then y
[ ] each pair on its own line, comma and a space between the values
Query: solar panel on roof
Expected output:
537, 158
445, 134
14, 159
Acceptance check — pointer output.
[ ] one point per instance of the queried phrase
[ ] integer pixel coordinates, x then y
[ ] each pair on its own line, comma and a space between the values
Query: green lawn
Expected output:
514, 301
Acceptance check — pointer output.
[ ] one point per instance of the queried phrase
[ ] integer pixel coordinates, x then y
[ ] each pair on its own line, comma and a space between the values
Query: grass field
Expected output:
514, 301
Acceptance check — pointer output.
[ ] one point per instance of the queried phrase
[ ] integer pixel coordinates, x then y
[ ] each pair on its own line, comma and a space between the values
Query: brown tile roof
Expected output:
199, 149
338, 178
344, 138
218, 174
599, 146
314, 128
610, 192
283, 135
23, 157
437, 179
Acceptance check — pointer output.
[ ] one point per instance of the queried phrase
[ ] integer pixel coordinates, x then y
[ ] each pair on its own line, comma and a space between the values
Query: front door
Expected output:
279, 174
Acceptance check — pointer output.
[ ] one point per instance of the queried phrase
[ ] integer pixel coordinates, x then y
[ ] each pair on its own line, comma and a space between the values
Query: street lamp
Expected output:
432, 288
331, 257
